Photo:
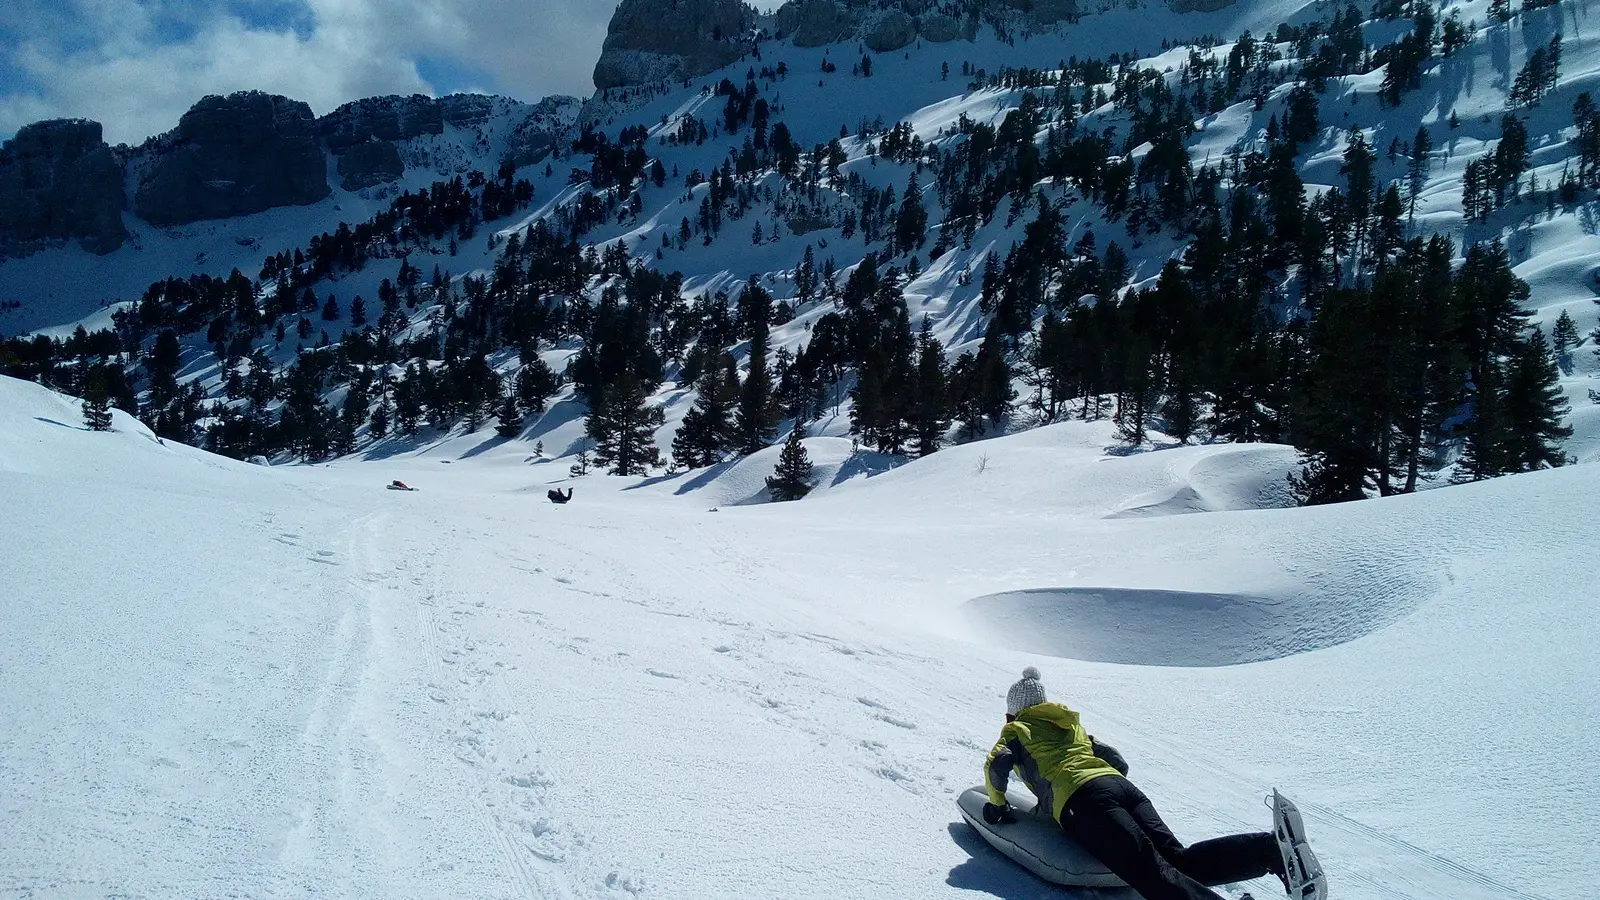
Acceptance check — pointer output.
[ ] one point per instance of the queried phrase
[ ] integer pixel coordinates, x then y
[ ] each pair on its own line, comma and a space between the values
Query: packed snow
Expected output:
220, 679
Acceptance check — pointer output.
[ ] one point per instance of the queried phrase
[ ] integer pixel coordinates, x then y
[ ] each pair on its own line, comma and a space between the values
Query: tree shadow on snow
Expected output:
494, 441
866, 462
704, 478
397, 444
653, 480
62, 424
560, 413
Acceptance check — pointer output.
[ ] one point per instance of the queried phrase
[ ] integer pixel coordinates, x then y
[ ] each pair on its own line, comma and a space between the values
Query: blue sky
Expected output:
137, 65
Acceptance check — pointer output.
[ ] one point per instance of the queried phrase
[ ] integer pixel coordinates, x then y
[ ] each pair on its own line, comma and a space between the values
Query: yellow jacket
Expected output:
1055, 756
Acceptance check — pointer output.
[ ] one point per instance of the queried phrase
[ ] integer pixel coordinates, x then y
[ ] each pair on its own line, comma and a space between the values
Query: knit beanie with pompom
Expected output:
1025, 693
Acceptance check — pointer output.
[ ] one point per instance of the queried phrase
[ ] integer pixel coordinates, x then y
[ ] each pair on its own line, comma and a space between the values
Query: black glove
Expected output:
998, 815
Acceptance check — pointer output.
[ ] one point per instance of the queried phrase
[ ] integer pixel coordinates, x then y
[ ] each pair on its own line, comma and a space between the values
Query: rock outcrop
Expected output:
882, 25
1184, 6
1047, 12
941, 29
391, 118
887, 25
535, 138
815, 23
667, 40
372, 163
893, 30
467, 110
59, 181
232, 156
368, 137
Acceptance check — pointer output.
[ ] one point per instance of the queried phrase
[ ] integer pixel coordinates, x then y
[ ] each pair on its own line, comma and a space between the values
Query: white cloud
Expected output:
116, 61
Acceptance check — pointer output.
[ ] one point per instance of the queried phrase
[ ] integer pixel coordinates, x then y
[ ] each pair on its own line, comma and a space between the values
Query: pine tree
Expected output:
509, 416
1586, 119
305, 424
791, 480
351, 418
1338, 410
1486, 445
911, 224
1510, 157
1563, 340
707, 431
96, 401
342, 436
580, 468
535, 385
993, 389
1535, 407
756, 419
805, 276
382, 416
623, 428
1427, 375
1358, 171
931, 410
1417, 170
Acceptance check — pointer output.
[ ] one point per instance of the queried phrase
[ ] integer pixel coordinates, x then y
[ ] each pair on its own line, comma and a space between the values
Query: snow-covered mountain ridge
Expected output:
639, 180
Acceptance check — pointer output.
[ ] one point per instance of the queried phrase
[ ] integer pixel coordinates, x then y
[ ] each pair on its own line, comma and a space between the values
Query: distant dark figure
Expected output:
400, 486
559, 498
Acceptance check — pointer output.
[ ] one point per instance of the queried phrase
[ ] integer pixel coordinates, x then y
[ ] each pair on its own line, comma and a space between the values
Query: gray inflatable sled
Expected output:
1036, 843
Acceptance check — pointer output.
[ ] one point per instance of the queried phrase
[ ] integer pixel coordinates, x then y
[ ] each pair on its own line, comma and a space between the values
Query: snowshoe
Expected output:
1303, 876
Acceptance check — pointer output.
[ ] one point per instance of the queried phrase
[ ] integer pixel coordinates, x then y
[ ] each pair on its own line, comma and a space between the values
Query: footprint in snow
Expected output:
531, 781
668, 675
632, 884
898, 723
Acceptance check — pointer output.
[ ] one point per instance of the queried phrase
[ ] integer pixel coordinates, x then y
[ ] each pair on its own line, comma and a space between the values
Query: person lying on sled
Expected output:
1083, 783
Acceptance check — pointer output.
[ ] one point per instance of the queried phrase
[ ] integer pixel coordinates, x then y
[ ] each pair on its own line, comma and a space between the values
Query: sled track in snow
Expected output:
1447, 883
1341, 822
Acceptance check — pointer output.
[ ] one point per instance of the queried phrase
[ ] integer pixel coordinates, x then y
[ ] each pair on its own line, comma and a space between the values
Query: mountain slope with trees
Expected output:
1335, 231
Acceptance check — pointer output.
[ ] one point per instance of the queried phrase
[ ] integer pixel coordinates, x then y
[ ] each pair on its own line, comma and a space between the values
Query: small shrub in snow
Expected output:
791, 480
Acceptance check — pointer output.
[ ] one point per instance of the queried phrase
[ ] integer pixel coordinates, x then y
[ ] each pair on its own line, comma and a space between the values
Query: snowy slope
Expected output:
220, 679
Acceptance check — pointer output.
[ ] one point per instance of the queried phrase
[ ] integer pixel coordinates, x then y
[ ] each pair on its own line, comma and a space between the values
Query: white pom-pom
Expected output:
1030, 673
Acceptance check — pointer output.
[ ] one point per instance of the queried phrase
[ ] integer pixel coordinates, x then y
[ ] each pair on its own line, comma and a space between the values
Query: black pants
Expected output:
1117, 823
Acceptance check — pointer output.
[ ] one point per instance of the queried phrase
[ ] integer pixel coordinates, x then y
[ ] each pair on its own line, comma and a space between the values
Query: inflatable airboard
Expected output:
1036, 842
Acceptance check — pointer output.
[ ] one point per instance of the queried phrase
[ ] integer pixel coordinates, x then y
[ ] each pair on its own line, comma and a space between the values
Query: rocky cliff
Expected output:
666, 40
232, 156
886, 25
367, 136
58, 181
